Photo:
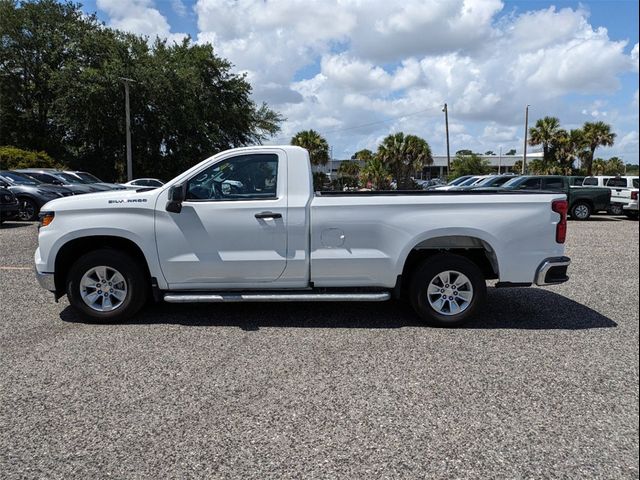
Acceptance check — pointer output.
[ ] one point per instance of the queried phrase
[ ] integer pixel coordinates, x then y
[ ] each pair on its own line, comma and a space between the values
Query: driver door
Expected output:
231, 231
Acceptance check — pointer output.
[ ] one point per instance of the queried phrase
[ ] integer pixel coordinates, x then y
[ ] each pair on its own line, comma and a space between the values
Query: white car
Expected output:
143, 183
624, 193
276, 240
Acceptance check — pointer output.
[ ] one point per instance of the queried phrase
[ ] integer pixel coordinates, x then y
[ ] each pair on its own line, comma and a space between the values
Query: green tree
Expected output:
403, 155
614, 166
511, 152
596, 134
375, 175
566, 147
469, 165
12, 158
489, 152
362, 155
599, 166
349, 168
464, 151
60, 92
315, 144
545, 132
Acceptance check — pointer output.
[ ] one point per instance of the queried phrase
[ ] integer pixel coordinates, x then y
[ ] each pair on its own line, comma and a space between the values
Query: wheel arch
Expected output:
470, 246
77, 247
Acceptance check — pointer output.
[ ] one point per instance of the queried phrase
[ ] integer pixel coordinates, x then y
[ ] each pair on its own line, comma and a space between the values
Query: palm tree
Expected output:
614, 166
349, 168
362, 155
596, 134
404, 155
315, 144
375, 174
599, 166
566, 148
546, 133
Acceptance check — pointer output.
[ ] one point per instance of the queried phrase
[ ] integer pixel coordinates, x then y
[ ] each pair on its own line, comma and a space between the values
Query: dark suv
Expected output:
32, 194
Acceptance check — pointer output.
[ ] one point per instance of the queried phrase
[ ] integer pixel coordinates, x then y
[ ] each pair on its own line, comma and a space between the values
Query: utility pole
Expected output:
446, 126
526, 131
500, 160
127, 113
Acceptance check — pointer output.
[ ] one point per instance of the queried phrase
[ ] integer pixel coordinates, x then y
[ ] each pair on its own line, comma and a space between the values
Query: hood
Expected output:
102, 200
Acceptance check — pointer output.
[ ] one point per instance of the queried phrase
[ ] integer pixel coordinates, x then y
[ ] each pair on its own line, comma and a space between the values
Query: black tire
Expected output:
426, 272
137, 284
616, 209
581, 211
28, 210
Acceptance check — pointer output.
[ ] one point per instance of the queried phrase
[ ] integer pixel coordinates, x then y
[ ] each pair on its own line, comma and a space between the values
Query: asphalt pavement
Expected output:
543, 384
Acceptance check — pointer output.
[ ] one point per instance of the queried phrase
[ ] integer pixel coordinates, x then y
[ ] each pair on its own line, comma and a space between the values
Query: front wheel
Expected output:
107, 285
581, 211
447, 289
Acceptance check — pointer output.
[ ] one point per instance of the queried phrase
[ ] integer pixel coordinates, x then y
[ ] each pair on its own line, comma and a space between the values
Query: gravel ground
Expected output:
544, 384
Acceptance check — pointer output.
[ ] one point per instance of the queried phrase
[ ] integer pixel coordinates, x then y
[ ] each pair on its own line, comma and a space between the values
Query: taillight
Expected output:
561, 207
634, 195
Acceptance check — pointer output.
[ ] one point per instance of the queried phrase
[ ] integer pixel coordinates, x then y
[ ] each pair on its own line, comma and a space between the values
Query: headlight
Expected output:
46, 218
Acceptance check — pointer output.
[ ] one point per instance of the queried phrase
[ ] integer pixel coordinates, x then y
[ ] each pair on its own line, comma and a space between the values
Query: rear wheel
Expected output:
616, 209
581, 211
107, 285
446, 290
28, 210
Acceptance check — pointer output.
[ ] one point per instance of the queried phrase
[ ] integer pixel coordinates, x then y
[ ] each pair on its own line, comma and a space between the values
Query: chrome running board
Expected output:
202, 297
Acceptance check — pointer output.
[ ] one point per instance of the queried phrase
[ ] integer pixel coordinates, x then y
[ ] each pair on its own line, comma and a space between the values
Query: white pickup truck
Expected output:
246, 226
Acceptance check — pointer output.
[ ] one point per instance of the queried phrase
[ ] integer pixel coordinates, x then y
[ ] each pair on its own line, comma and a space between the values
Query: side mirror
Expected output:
176, 197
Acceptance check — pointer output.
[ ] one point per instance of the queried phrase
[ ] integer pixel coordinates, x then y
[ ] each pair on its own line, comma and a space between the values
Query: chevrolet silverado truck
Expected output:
246, 226
583, 201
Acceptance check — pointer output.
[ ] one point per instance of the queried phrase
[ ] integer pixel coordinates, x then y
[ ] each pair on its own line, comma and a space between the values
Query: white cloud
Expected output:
336, 64
139, 16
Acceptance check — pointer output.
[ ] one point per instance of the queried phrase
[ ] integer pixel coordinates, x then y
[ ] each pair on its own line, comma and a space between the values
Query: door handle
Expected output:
268, 215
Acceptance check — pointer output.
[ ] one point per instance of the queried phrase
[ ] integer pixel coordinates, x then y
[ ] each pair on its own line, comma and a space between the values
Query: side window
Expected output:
553, 183
245, 177
617, 182
531, 184
590, 181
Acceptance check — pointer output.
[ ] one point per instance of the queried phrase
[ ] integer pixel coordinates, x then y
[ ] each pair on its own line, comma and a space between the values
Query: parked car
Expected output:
464, 181
576, 180
9, 205
57, 177
583, 201
142, 183
31, 193
190, 241
596, 180
93, 180
493, 181
623, 200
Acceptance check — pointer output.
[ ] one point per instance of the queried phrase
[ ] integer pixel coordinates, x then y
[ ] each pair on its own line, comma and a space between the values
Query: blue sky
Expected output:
359, 71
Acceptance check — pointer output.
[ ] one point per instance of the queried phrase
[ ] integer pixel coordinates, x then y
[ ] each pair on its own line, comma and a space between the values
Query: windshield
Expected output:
459, 180
17, 179
493, 181
87, 177
469, 181
68, 178
514, 182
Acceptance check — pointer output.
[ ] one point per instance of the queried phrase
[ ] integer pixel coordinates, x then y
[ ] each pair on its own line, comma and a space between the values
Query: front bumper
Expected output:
8, 210
46, 281
552, 271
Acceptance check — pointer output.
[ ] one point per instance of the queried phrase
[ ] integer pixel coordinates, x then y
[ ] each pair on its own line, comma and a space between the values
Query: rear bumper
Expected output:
552, 271
631, 207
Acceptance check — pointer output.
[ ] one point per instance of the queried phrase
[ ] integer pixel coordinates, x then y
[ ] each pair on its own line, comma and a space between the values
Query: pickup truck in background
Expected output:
624, 193
246, 226
583, 201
